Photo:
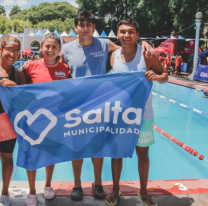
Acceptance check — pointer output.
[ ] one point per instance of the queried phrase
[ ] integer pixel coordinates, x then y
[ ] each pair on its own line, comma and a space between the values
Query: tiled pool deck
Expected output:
184, 81
19, 190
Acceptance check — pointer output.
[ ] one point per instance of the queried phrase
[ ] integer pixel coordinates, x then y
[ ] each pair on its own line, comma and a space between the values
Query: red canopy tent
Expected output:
190, 47
26, 52
161, 50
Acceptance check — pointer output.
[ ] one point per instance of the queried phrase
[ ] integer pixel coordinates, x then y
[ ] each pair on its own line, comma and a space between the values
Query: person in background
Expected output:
203, 60
167, 62
178, 63
45, 70
9, 76
205, 93
172, 64
162, 58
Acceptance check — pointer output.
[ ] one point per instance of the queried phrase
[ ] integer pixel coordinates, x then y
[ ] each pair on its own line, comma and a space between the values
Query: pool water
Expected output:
18, 64
168, 161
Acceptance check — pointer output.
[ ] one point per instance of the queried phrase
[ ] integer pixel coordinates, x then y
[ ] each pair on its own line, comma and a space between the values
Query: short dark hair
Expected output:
84, 15
51, 35
129, 22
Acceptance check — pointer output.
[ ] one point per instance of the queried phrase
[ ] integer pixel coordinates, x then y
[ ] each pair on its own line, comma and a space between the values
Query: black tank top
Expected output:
12, 78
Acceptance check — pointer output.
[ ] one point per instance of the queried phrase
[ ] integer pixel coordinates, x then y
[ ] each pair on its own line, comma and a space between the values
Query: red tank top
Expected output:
178, 61
37, 72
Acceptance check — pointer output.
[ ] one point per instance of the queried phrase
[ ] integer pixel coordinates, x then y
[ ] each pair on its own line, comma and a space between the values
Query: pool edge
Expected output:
128, 188
187, 84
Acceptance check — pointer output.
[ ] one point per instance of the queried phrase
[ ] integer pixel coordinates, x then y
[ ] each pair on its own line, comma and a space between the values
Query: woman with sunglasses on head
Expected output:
9, 76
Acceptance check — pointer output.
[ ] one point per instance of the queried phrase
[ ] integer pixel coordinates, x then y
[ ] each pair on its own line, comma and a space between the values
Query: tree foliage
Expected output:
184, 14
152, 16
2, 10
15, 10
4, 21
7, 24
61, 26
47, 12
107, 14
19, 25
155, 17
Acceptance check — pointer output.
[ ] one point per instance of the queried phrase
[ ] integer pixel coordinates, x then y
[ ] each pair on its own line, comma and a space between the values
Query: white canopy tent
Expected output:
64, 34
111, 34
31, 34
47, 32
172, 37
96, 34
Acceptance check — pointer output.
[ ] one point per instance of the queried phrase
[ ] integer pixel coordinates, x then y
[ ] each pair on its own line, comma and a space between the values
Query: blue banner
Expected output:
201, 73
66, 120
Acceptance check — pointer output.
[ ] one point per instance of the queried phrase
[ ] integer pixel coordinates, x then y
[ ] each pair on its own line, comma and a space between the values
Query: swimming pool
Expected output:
18, 64
167, 160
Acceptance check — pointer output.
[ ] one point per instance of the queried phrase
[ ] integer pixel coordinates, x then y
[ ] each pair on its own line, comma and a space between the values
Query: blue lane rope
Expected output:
180, 104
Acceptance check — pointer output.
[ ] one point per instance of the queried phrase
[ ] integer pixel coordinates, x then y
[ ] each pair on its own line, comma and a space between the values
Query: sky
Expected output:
24, 4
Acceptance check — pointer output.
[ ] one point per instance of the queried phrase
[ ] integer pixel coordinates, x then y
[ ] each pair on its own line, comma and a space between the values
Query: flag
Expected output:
71, 119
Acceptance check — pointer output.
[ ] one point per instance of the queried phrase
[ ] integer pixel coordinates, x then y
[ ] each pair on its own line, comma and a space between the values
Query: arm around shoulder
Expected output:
112, 47
110, 61
148, 51
159, 74
62, 58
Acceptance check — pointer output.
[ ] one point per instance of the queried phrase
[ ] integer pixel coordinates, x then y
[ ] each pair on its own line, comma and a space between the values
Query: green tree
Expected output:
7, 24
47, 12
15, 10
184, 14
61, 26
19, 25
4, 22
153, 16
68, 25
101, 9
2, 10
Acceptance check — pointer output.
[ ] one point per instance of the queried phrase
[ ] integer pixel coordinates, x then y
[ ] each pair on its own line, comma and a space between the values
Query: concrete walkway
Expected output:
19, 191
185, 81
162, 200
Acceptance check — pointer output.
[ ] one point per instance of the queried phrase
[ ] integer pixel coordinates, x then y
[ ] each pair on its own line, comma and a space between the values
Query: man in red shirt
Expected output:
178, 63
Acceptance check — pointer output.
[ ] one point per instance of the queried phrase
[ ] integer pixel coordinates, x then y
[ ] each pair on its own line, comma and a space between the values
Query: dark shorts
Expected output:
178, 68
7, 146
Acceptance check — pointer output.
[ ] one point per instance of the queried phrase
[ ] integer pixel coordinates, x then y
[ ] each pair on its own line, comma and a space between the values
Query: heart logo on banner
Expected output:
30, 120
